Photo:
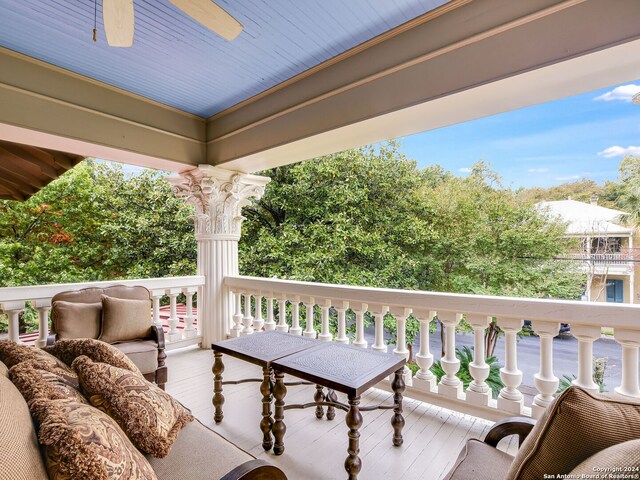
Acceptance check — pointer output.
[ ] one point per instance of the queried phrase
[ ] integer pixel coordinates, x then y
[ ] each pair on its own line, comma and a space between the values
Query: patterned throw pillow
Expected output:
35, 380
82, 442
68, 350
12, 354
151, 418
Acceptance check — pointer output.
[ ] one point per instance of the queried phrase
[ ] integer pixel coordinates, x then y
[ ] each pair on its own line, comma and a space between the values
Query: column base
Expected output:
295, 331
325, 337
234, 333
537, 411
309, 334
174, 337
362, 344
190, 333
511, 406
282, 328
451, 391
478, 398
424, 385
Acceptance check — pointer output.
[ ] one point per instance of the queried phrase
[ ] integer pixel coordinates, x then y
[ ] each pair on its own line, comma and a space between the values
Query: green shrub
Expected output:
465, 355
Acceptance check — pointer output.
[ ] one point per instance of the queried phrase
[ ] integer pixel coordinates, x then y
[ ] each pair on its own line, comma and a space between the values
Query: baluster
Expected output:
325, 335
630, 341
156, 295
174, 334
282, 320
401, 315
510, 398
43, 307
424, 379
478, 391
247, 319
237, 316
189, 330
309, 330
379, 312
258, 321
360, 309
342, 307
295, 322
450, 385
586, 336
13, 309
546, 382
270, 324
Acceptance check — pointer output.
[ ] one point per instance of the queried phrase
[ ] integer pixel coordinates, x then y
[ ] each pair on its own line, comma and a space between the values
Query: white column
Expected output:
270, 324
478, 392
218, 196
247, 319
43, 307
424, 379
325, 334
237, 315
173, 334
546, 382
295, 321
156, 295
360, 309
401, 349
630, 341
282, 319
310, 331
450, 385
258, 321
586, 336
189, 330
342, 307
510, 398
379, 311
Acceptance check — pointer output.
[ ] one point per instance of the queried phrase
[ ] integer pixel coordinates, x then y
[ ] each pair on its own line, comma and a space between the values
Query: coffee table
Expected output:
347, 369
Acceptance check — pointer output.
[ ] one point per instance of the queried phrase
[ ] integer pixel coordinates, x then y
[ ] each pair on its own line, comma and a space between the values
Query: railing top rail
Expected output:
551, 310
36, 292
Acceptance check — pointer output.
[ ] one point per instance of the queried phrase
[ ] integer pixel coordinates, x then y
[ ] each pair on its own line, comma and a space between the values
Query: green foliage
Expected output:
465, 355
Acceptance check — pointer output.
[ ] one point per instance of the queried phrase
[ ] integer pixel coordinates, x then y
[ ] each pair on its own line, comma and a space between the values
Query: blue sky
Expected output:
544, 145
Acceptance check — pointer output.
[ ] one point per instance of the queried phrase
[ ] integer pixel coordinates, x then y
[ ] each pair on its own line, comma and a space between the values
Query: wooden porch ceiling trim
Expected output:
25, 169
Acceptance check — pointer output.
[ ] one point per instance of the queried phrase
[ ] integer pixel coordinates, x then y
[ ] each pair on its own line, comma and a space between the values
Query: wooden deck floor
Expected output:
316, 449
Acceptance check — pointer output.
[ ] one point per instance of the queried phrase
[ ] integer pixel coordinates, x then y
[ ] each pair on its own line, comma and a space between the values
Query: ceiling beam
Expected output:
22, 156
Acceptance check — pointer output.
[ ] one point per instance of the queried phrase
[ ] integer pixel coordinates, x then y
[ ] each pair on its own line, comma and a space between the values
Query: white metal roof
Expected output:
586, 218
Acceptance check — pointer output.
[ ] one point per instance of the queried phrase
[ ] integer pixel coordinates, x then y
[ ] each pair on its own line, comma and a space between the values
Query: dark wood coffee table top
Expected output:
264, 347
343, 368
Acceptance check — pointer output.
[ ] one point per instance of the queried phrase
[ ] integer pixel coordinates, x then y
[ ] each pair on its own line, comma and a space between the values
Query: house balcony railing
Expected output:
617, 258
585, 319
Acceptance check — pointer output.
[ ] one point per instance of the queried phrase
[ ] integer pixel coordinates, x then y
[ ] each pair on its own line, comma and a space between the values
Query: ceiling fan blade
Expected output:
118, 22
211, 16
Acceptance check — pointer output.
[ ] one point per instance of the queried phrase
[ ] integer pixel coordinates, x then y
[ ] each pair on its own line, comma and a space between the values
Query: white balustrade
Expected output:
341, 308
630, 341
295, 321
270, 324
247, 318
237, 315
258, 321
450, 385
325, 334
546, 382
424, 379
479, 392
401, 315
379, 312
586, 335
189, 329
309, 331
156, 295
282, 320
173, 333
43, 307
360, 309
510, 398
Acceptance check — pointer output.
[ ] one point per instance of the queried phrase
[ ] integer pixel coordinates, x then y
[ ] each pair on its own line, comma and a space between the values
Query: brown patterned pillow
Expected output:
82, 442
36, 379
151, 417
11, 354
68, 350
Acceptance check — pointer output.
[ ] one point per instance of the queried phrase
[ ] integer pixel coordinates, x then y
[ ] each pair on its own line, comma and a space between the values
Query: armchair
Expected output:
79, 314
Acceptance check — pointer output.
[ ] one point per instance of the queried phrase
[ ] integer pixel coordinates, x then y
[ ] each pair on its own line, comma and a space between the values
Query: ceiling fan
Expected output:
118, 19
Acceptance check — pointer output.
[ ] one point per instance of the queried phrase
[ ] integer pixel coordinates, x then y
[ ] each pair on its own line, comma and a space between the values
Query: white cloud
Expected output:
618, 151
568, 177
538, 170
623, 93
464, 170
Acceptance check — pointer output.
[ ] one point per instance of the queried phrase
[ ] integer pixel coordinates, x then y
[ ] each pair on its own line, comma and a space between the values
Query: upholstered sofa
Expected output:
78, 314
198, 452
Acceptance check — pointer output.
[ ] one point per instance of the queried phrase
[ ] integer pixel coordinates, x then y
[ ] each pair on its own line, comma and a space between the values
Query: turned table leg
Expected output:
218, 398
331, 411
266, 424
279, 428
319, 397
353, 464
397, 421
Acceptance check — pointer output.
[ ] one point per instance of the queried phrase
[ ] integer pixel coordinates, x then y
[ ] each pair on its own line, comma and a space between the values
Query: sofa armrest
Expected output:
255, 470
157, 334
520, 426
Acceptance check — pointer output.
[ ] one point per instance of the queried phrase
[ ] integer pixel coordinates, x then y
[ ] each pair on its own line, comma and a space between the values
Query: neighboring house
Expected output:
605, 249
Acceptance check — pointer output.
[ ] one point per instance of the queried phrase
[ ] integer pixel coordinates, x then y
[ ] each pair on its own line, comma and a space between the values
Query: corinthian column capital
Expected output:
218, 196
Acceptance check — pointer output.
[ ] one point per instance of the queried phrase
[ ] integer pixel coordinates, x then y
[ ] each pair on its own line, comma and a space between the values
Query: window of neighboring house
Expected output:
615, 291
606, 245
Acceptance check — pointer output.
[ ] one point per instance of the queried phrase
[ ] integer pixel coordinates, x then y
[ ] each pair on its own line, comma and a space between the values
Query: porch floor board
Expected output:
316, 449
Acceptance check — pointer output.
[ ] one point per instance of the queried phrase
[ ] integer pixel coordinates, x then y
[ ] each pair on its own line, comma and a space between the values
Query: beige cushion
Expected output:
4, 370
144, 353
76, 320
576, 426
37, 380
479, 461
20, 454
80, 441
94, 294
198, 454
151, 418
625, 454
68, 350
124, 319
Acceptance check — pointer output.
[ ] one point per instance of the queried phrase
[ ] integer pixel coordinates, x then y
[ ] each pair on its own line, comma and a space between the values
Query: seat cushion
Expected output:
76, 320
479, 461
144, 353
198, 454
623, 455
70, 349
20, 453
125, 319
577, 425
35, 380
